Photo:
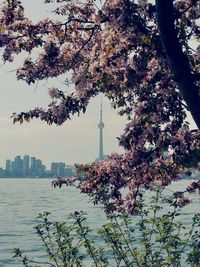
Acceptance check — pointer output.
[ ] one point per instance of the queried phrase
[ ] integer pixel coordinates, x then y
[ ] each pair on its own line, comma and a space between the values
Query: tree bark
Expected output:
177, 60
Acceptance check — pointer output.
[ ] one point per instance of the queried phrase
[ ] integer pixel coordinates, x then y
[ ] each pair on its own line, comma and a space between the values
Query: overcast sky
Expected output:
74, 142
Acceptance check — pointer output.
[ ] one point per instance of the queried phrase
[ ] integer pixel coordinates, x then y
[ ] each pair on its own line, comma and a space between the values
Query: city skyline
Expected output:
31, 166
28, 166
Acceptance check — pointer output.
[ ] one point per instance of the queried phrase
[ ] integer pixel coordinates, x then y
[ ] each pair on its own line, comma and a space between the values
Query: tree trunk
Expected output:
177, 60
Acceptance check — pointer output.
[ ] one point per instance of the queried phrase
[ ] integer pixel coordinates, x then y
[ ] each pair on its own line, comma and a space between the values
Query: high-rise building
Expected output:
54, 169
101, 126
61, 169
26, 162
43, 170
32, 167
38, 167
18, 166
69, 171
2, 173
8, 168
12, 169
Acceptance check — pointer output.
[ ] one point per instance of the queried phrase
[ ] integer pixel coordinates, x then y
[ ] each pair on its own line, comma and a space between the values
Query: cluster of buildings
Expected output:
32, 167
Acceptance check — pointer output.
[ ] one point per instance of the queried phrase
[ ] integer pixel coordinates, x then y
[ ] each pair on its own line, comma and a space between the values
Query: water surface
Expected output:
22, 199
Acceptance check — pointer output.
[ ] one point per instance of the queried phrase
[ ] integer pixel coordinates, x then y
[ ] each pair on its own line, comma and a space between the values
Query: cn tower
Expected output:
101, 126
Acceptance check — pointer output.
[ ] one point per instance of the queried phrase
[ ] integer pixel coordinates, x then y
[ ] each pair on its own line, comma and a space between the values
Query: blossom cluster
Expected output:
113, 48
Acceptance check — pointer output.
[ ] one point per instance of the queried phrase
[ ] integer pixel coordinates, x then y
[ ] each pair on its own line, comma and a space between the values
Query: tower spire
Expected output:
101, 126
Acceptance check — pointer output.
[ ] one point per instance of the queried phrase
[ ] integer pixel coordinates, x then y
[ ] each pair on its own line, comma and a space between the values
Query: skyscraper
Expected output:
18, 167
54, 169
26, 162
32, 167
38, 167
8, 167
61, 169
101, 126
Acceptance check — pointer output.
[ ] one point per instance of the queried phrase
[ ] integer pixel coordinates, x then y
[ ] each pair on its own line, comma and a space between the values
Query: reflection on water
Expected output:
22, 199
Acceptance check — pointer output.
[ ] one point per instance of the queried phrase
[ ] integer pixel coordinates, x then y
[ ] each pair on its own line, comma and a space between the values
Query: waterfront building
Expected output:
69, 171
8, 168
44, 171
61, 169
18, 166
38, 168
12, 168
32, 167
26, 162
54, 169
2, 173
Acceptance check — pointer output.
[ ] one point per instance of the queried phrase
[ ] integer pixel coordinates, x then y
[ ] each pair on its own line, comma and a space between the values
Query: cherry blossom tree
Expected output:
144, 58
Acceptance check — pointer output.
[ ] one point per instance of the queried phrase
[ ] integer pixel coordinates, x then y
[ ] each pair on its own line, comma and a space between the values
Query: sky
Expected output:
76, 141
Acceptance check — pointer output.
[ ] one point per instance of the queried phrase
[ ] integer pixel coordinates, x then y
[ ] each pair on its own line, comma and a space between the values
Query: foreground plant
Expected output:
151, 238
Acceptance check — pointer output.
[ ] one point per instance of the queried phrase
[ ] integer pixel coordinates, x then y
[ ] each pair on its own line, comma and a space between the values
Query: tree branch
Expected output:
186, 9
177, 60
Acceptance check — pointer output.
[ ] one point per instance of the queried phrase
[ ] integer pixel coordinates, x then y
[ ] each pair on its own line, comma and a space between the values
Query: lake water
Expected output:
22, 199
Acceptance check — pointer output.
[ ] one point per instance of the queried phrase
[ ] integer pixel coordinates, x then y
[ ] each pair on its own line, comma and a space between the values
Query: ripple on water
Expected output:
21, 201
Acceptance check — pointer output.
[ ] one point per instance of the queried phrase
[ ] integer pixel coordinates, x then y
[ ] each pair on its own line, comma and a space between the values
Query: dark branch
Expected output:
177, 60
180, 15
